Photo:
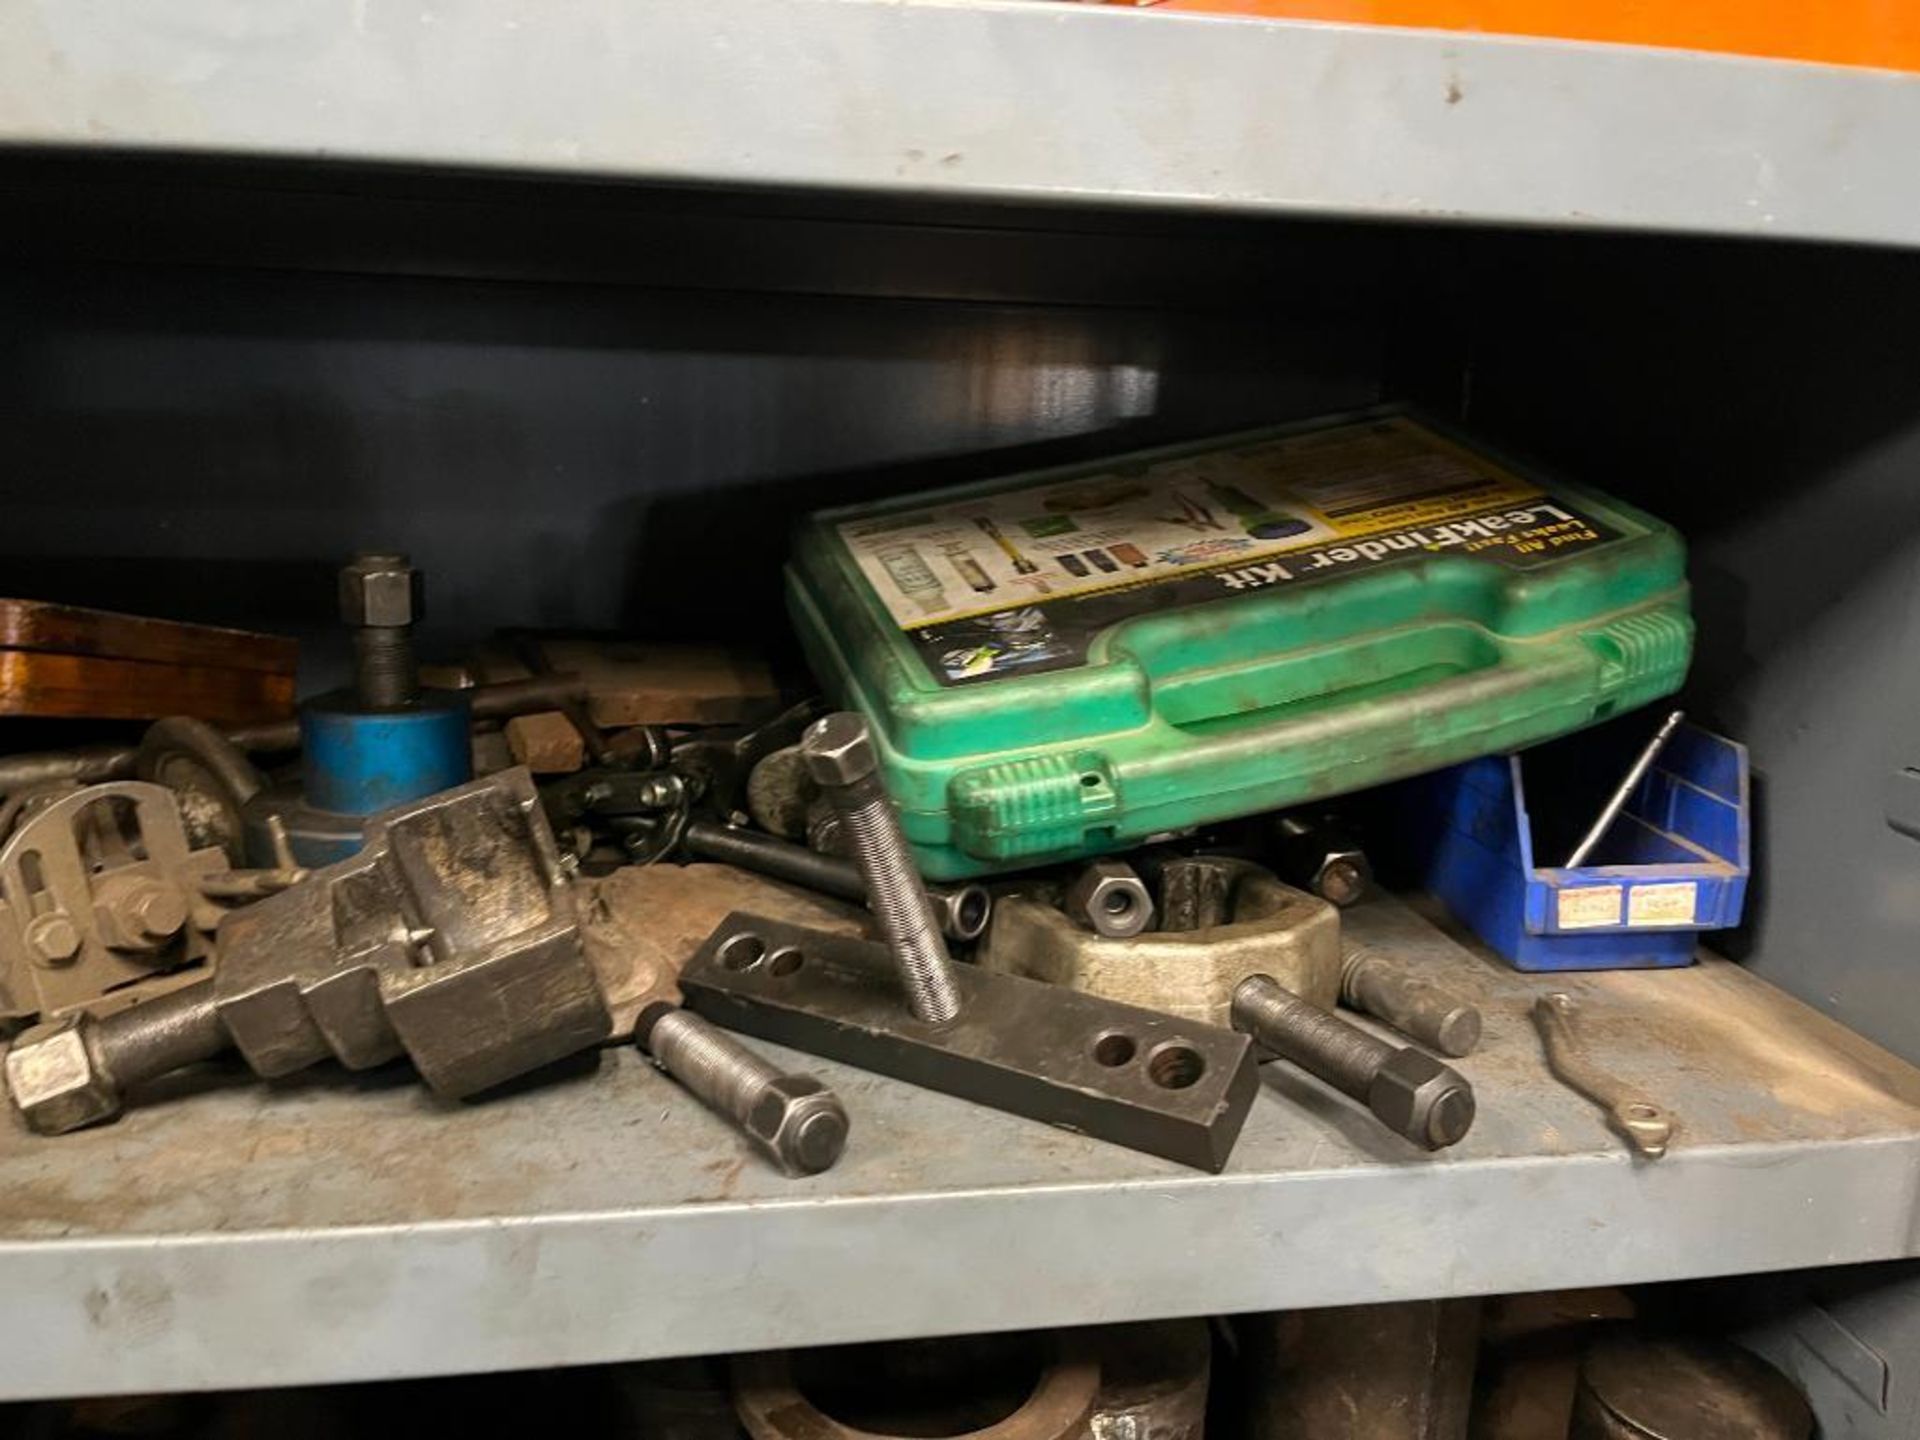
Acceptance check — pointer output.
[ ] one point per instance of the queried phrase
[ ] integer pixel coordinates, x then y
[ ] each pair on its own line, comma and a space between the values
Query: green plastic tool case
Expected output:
1071, 661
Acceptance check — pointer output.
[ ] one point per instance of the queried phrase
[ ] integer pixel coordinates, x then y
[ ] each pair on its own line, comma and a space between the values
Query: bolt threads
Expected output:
898, 898
710, 1063
384, 666
839, 755
1300, 1031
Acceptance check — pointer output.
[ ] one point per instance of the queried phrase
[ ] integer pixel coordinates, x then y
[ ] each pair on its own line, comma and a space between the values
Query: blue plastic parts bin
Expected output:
1676, 860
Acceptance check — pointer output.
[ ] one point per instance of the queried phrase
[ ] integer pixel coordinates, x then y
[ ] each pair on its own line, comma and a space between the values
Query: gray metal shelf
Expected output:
353, 1228
981, 98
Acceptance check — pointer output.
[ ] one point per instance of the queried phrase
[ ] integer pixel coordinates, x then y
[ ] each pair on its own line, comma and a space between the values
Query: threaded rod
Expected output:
710, 1063
384, 666
899, 901
1318, 1042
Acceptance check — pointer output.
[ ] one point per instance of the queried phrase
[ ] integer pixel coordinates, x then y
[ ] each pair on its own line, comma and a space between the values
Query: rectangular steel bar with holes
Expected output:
1148, 1081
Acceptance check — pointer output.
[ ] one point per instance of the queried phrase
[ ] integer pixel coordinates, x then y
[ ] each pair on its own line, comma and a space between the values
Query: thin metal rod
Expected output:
157, 1037
1617, 801
781, 859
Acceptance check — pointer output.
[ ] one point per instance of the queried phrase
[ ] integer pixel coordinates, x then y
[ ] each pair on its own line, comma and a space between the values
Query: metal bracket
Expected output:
99, 895
1150, 1082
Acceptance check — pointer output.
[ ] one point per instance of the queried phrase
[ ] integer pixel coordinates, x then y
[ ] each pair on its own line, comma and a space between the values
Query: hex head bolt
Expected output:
76, 1070
1408, 1091
381, 596
840, 757
797, 1121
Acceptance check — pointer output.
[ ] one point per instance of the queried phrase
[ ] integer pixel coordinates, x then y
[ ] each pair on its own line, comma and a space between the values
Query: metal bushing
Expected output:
1635, 1388
961, 1386
360, 762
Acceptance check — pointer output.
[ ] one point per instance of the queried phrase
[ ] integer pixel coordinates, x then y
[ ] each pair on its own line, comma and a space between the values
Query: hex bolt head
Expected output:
838, 749
1344, 877
1111, 899
800, 1123
140, 914
1317, 854
54, 937
55, 1080
156, 912
1428, 1102
382, 590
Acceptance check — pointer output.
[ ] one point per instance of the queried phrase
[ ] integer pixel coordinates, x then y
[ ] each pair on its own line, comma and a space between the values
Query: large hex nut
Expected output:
800, 1123
382, 590
963, 911
55, 1080
1417, 1096
1111, 900
838, 750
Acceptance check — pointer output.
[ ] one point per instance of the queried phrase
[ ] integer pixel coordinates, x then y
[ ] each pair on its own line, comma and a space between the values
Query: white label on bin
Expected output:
1589, 906
1669, 904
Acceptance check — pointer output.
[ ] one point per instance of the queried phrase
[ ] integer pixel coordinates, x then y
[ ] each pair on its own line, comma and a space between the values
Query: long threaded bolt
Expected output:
1416, 1007
840, 758
796, 1120
1408, 1090
380, 598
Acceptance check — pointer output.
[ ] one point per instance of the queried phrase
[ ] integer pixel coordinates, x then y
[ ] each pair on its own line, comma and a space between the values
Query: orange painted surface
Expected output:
1880, 33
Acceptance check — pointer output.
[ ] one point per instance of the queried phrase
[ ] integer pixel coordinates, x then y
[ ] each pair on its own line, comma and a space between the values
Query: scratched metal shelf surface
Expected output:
987, 99
342, 1228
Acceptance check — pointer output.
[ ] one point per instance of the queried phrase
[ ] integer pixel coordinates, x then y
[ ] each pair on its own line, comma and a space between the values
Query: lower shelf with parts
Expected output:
336, 1227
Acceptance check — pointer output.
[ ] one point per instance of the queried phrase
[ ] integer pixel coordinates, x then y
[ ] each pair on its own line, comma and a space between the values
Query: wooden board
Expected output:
66, 662
639, 682
72, 630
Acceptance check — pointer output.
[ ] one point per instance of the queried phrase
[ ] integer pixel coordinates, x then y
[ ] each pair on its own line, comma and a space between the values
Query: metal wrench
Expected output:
1646, 1126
